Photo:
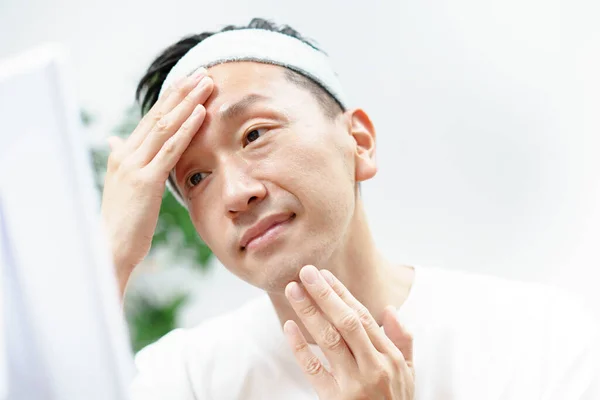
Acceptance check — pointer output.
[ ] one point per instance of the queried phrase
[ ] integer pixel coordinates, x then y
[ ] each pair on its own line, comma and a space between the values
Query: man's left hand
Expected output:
365, 362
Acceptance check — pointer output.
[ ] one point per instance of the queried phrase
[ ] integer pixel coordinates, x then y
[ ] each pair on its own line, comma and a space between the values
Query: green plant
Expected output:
149, 322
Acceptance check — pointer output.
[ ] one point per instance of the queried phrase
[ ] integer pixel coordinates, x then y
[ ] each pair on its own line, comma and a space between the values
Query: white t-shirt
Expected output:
475, 337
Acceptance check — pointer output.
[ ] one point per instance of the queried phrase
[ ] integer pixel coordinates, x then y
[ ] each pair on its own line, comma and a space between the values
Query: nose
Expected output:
240, 189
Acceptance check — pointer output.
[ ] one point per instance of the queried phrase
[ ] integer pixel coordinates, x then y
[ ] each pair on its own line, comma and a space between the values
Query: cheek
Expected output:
199, 224
316, 168
309, 152
203, 217
331, 191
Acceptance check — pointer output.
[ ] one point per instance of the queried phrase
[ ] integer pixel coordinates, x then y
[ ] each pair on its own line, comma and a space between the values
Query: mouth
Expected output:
265, 231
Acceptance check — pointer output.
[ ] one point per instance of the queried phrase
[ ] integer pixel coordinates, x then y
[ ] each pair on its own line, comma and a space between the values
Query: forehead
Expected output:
244, 72
240, 90
234, 80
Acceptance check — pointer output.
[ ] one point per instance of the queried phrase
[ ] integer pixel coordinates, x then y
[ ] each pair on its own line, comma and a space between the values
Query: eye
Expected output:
253, 135
195, 179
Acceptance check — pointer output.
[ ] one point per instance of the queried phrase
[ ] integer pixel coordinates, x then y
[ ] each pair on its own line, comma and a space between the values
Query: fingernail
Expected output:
308, 274
197, 109
111, 143
203, 82
199, 74
296, 292
290, 328
328, 276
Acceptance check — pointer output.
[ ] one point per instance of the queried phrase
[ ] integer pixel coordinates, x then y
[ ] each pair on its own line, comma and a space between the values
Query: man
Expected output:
267, 155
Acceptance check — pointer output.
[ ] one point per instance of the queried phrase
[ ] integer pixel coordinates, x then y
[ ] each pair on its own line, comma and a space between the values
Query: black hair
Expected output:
150, 84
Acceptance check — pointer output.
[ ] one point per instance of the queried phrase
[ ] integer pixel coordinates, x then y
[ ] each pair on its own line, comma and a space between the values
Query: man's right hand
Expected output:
139, 167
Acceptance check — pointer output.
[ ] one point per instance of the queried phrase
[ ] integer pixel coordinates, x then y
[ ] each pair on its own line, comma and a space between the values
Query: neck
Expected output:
374, 281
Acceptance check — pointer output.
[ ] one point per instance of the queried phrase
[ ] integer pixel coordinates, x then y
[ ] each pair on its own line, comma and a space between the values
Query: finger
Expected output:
398, 334
170, 123
341, 315
165, 103
169, 99
381, 342
115, 156
315, 372
323, 332
175, 146
195, 76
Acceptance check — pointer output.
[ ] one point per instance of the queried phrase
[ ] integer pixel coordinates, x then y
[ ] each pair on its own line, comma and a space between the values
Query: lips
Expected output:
263, 226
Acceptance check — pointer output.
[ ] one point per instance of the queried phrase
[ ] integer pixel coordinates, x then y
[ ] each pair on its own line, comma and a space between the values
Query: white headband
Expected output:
264, 46
259, 45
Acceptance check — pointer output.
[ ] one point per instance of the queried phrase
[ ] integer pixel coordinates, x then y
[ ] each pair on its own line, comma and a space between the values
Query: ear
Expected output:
362, 131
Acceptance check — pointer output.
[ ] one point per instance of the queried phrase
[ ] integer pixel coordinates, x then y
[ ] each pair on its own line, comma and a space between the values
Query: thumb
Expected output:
114, 142
398, 334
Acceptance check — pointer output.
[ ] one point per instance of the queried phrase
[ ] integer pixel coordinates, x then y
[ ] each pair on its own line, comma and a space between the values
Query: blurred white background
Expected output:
488, 118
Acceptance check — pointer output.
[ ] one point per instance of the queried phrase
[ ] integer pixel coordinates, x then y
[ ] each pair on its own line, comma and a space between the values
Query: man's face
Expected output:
269, 162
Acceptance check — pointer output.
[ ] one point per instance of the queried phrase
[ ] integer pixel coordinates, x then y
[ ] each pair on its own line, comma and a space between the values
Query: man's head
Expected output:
275, 147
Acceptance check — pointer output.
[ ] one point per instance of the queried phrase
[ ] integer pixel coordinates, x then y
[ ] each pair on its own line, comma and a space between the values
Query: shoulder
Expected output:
539, 331
187, 361
502, 303
470, 294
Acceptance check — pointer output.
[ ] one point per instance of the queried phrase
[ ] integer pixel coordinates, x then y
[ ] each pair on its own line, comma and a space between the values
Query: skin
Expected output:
260, 145
366, 363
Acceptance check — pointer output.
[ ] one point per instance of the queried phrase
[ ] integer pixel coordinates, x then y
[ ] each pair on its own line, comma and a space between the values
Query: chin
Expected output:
273, 275
272, 267
282, 267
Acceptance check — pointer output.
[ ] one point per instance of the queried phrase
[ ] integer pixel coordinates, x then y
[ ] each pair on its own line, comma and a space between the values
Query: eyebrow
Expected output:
240, 107
236, 110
